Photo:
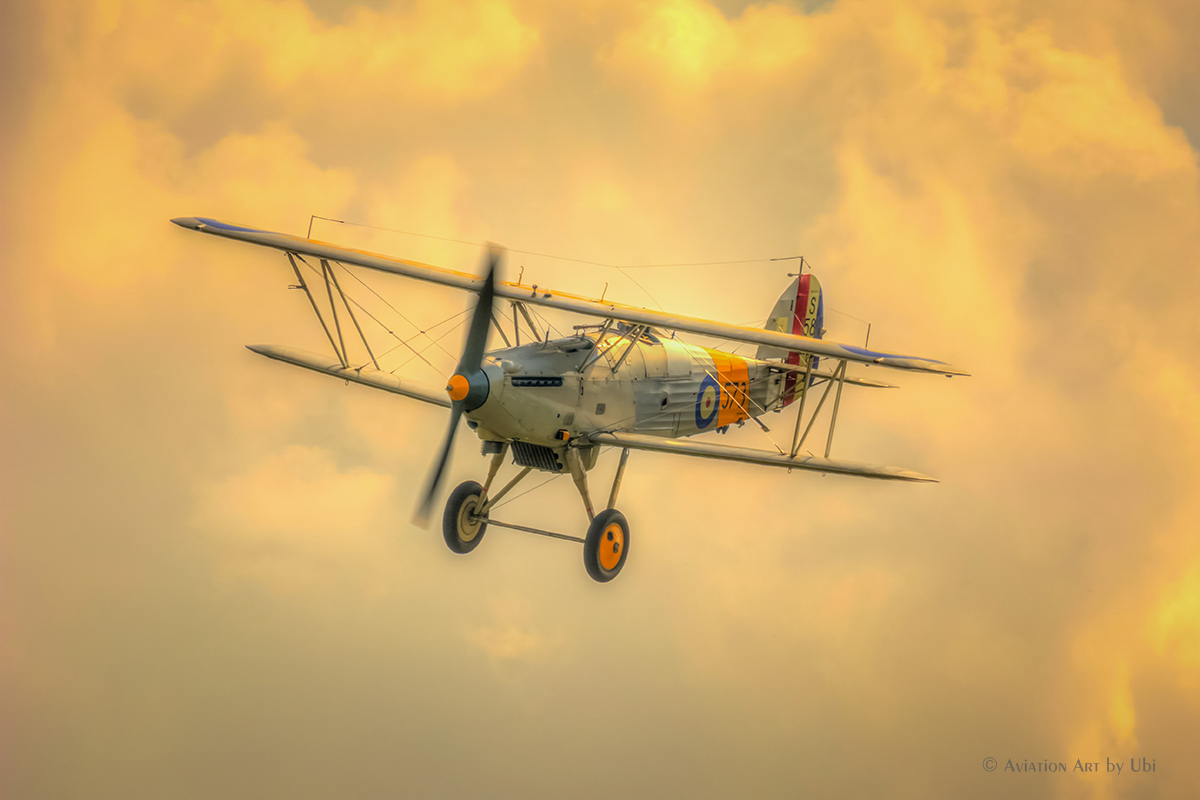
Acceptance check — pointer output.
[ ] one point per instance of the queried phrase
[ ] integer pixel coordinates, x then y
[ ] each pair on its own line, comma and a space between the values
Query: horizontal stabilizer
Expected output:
828, 375
640, 441
366, 376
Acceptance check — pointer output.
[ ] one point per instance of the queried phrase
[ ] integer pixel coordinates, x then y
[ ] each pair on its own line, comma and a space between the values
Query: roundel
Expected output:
708, 399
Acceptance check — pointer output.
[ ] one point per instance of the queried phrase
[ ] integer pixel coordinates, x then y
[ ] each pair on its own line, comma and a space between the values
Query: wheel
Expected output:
459, 528
606, 546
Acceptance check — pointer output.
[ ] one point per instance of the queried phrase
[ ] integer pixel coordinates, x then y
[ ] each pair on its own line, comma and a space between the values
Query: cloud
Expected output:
996, 184
1175, 627
513, 636
181, 52
298, 497
685, 46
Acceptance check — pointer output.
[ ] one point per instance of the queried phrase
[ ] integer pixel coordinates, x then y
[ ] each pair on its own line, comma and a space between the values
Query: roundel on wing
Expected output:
708, 400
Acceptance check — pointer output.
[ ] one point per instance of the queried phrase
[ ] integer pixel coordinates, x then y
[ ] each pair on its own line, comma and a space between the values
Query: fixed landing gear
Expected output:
462, 527
605, 548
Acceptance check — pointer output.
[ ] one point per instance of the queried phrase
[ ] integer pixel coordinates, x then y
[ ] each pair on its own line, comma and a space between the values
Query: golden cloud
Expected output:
978, 184
182, 51
686, 45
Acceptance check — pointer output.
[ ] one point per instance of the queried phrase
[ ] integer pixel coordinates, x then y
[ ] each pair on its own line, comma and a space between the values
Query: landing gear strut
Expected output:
605, 548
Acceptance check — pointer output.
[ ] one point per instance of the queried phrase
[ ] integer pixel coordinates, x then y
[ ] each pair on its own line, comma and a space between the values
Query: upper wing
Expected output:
641, 441
565, 301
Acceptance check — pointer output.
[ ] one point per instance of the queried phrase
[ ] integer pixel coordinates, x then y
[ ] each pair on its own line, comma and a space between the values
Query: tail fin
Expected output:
799, 310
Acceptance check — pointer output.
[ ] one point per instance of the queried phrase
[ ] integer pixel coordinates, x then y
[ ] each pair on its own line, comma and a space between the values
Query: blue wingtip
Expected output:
199, 223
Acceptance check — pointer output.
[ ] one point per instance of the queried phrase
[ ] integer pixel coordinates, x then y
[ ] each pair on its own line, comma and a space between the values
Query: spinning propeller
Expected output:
468, 386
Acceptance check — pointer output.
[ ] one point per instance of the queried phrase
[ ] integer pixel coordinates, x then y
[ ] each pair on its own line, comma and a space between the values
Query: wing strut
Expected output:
634, 333
598, 352
500, 330
519, 306
796, 440
333, 310
331, 274
303, 285
331, 283
839, 377
837, 401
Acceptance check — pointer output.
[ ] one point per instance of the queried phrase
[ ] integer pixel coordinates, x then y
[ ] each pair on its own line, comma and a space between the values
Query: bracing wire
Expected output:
439, 339
619, 267
527, 491
389, 305
549, 325
429, 344
562, 258
380, 323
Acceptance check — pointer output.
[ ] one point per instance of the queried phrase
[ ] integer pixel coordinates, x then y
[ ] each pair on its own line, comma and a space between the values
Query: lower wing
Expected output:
374, 378
640, 441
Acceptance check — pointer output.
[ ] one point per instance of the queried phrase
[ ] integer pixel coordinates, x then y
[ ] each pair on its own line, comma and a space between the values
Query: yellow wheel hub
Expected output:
612, 544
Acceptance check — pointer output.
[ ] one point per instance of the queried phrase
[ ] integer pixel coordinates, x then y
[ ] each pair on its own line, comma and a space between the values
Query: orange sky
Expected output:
209, 583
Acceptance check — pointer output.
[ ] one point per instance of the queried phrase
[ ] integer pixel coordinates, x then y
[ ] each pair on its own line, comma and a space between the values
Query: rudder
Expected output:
800, 310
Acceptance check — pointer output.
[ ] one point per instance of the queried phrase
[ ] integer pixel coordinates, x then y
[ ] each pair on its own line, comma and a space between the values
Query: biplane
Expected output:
625, 381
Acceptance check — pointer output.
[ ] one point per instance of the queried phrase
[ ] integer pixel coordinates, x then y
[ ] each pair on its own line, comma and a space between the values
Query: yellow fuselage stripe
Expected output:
733, 375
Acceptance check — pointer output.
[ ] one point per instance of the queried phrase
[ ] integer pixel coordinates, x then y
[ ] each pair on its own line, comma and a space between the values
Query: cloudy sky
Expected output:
209, 585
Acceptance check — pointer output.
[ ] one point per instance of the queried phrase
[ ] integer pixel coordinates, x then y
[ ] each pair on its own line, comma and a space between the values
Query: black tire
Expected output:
460, 534
606, 546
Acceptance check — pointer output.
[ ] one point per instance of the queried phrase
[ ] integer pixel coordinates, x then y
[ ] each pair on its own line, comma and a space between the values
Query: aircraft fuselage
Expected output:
547, 393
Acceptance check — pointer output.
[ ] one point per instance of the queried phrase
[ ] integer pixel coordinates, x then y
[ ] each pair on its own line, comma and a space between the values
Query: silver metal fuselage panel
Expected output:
589, 384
